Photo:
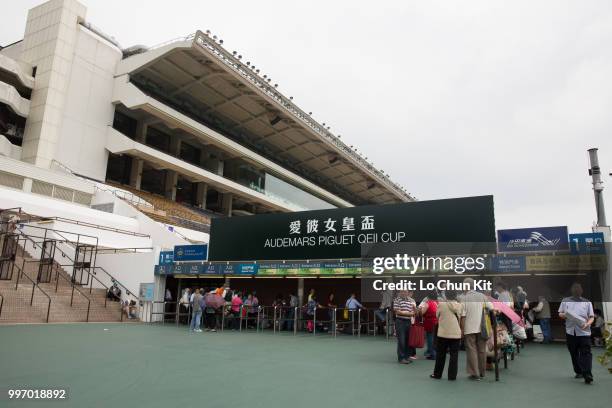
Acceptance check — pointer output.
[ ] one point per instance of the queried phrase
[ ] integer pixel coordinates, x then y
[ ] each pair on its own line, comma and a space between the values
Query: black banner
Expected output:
340, 233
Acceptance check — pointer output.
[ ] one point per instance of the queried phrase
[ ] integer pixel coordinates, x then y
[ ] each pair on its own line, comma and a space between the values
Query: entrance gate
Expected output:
83, 261
7, 256
47, 258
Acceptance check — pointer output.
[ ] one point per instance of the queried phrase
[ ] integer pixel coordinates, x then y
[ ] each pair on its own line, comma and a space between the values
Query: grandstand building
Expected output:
122, 152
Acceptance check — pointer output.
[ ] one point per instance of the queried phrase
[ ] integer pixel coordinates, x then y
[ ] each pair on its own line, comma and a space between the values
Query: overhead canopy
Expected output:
200, 78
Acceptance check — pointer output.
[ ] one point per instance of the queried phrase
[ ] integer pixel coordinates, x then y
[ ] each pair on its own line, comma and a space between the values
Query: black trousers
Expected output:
580, 350
442, 345
211, 320
402, 331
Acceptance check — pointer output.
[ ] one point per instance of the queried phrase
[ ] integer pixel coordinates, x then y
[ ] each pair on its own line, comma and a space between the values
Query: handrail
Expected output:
95, 183
34, 285
11, 210
57, 275
39, 218
96, 226
177, 233
113, 279
115, 250
1, 303
37, 244
91, 283
59, 232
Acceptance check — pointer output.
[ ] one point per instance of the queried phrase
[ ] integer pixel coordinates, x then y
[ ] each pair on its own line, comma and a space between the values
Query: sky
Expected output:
452, 99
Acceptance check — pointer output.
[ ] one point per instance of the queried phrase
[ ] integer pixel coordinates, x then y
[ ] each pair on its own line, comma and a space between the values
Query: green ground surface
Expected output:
165, 366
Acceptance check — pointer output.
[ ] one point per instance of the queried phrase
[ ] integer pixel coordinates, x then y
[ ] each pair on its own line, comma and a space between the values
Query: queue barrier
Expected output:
281, 318
166, 309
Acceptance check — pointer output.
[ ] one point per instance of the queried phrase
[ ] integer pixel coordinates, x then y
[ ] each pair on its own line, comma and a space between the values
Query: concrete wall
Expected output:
49, 44
160, 236
130, 269
88, 110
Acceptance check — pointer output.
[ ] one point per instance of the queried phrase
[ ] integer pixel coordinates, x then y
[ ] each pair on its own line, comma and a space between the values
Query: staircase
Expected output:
86, 305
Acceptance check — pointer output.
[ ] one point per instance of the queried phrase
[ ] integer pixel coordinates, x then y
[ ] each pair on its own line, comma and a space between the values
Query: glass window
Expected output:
280, 189
125, 124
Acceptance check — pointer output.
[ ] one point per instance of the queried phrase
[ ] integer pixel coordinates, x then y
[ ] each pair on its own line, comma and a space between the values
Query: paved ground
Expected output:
164, 366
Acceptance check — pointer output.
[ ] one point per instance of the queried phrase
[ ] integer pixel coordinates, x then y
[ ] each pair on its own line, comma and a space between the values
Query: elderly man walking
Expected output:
475, 304
578, 315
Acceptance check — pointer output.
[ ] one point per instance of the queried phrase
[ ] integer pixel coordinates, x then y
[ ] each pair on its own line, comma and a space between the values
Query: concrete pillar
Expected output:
175, 146
27, 185
220, 167
136, 173
201, 193
49, 44
226, 204
300, 291
171, 180
141, 132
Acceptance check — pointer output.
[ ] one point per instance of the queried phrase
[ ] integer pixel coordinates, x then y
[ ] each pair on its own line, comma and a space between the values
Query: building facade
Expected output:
188, 121
141, 146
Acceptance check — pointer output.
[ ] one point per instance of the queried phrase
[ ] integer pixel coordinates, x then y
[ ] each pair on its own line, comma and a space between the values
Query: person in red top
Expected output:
428, 309
235, 309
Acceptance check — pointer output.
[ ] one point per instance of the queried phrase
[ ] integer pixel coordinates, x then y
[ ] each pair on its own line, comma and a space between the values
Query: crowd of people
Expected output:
441, 323
456, 320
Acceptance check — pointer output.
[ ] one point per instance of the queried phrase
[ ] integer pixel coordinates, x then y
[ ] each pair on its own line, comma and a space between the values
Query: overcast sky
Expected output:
451, 98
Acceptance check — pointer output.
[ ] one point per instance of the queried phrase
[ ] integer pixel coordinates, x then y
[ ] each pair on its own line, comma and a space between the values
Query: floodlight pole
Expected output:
595, 173
603, 227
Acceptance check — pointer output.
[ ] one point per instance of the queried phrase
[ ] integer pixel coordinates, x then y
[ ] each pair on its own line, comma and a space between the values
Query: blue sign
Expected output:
187, 253
238, 269
166, 257
147, 292
587, 243
508, 264
246, 269
207, 269
542, 239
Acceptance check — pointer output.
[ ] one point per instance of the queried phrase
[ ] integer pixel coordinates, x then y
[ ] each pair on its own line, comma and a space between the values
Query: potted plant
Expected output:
606, 358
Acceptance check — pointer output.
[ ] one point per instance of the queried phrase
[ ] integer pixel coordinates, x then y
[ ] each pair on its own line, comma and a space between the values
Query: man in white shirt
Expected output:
474, 303
578, 315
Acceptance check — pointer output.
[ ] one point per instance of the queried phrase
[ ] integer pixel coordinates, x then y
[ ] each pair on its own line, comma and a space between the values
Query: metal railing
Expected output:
115, 281
1, 303
21, 273
290, 319
119, 193
84, 269
123, 250
91, 278
74, 287
495, 351
25, 218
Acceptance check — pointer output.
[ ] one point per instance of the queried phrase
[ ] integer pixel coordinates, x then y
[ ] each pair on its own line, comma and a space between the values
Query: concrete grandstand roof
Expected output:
197, 71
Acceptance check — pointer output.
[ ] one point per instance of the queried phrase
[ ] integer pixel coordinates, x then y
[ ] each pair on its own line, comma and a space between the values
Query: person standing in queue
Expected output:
542, 313
196, 312
428, 308
404, 308
475, 304
578, 315
448, 336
